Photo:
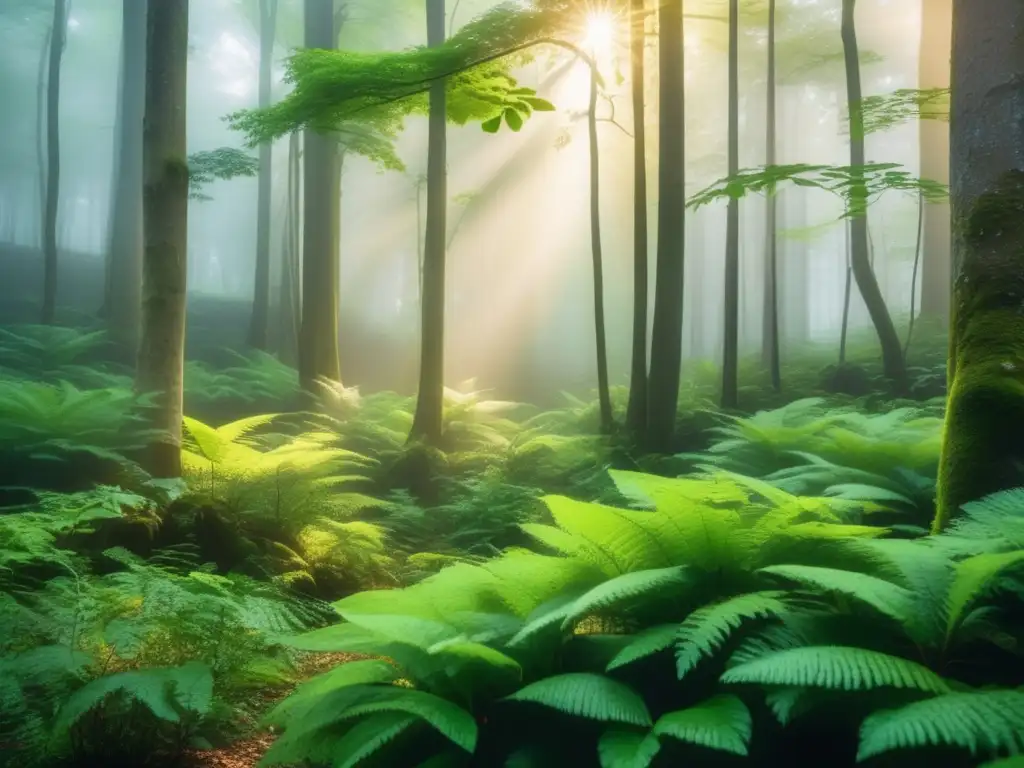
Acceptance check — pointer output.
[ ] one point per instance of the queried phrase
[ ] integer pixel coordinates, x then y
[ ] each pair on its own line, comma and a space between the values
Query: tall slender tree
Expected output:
771, 353
983, 442
860, 256
58, 39
667, 330
428, 421
260, 320
318, 334
731, 346
636, 409
933, 66
165, 224
122, 297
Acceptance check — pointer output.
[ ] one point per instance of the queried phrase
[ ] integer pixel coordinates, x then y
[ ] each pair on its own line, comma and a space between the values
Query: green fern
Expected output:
705, 630
983, 722
627, 749
587, 695
722, 723
836, 668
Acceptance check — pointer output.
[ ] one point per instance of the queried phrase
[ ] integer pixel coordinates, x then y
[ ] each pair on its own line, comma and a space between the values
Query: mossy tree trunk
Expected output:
983, 444
259, 322
428, 421
165, 224
667, 330
318, 334
58, 39
731, 304
123, 286
860, 256
636, 409
936, 270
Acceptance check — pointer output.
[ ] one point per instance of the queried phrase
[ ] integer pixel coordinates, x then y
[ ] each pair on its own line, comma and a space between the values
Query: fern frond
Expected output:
587, 695
627, 749
705, 630
629, 589
836, 668
721, 722
884, 596
986, 722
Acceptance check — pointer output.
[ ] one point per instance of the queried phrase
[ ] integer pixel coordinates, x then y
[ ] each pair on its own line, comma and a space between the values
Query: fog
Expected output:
519, 285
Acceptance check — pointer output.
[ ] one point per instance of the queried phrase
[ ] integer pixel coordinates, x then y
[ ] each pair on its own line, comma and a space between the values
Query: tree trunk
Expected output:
936, 39
44, 57
318, 336
58, 36
844, 326
260, 320
983, 444
123, 287
428, 421
771, 353
731, 346
667, 330
636, 410
289, 303
604, 396
860, 257
165, 224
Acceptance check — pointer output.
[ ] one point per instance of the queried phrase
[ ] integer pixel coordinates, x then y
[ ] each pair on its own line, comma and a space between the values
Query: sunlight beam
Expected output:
600, 33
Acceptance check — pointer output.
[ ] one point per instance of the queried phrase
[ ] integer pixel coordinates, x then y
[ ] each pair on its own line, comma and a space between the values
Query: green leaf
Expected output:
836, 668
629, 588
369, 736
705, 630
627, 749
513, 119
540, 105
973, 576
884, 596
492, 125
988, 722
721, 722
587, 695
647, 643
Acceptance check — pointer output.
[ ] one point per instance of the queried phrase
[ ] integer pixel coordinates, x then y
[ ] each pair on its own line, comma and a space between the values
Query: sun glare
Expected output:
600, 34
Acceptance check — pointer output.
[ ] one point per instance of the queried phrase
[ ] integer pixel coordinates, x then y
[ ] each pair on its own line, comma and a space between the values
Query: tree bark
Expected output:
936, 269
123, 286
260, 320
860, 257
165, 223
983, 444
771, 353
58, 38
636, 409
604, 397
290, 303
318, 336
428, 421
667, 330
731, 346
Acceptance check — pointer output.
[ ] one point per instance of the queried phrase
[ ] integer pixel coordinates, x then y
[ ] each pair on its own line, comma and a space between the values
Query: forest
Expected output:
525, 383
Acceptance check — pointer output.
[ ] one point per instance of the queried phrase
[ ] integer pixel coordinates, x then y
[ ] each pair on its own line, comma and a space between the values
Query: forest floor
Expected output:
248, 751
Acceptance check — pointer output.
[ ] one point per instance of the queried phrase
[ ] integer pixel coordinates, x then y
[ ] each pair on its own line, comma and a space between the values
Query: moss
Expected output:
983, 442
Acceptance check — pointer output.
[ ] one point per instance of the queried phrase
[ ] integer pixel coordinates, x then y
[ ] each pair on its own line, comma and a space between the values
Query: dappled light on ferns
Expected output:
703, 572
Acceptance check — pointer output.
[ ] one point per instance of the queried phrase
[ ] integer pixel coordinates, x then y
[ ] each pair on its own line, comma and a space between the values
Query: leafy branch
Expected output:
858, 186
892, 109
222, 163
